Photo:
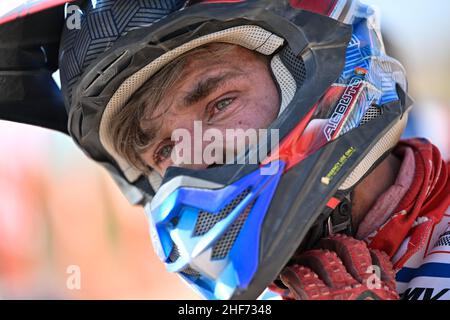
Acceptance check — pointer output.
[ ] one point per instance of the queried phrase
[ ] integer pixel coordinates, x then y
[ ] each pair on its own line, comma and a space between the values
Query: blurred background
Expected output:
60, 212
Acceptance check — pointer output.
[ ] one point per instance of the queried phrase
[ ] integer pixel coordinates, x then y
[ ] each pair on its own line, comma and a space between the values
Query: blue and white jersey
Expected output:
426, 275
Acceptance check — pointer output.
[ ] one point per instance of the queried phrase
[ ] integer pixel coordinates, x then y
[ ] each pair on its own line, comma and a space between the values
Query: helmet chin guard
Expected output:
228, 231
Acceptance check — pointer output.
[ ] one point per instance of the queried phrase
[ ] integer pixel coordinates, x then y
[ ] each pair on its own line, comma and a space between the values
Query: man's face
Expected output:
232, 91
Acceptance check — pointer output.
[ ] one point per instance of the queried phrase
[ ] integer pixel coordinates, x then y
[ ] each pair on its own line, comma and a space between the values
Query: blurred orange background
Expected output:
59, 209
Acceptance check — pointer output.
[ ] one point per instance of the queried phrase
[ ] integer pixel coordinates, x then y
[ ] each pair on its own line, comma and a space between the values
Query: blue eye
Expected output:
166, 150
222, 104
163, 153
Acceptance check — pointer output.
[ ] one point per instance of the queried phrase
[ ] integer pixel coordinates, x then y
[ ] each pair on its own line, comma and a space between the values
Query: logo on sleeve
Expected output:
424, 294
444, 240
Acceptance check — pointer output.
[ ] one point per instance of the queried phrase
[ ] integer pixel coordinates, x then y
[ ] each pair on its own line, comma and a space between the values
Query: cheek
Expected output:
271, 102
264, 102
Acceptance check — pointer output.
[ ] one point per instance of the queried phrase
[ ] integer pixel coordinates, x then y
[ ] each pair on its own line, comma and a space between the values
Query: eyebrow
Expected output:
201, 90
207, 86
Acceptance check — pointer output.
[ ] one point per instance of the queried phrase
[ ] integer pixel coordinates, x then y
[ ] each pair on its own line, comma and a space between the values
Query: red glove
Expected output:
342, 268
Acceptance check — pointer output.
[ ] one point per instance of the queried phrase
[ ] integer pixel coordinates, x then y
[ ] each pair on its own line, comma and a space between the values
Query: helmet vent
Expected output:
207, 220
188, 271
372, 113
174, 254
295, 65
224, 245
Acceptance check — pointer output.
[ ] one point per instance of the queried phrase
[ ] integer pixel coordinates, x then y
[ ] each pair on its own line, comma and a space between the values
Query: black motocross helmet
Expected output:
228, 231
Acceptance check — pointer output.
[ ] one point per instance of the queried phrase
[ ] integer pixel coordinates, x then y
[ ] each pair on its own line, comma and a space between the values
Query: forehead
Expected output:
194, 67
220, 53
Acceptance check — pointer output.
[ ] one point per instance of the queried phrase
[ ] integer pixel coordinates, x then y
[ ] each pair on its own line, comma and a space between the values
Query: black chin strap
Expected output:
335, 218
340, 219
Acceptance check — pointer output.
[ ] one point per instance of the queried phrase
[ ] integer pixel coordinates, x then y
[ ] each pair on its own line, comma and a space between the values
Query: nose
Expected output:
198, 156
